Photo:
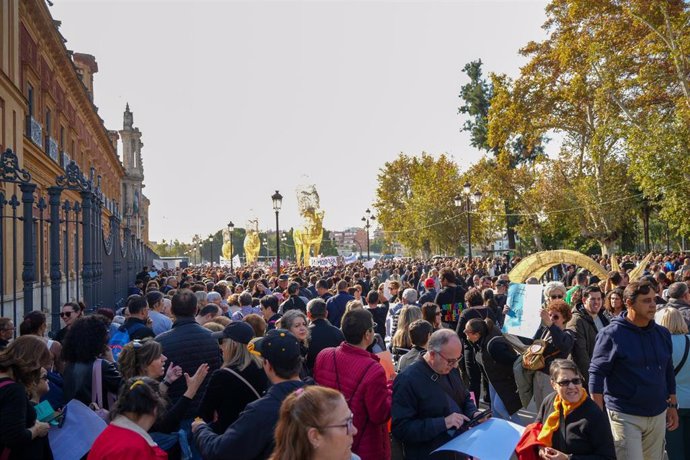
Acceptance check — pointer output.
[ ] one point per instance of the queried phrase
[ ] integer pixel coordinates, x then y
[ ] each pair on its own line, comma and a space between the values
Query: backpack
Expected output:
122, 338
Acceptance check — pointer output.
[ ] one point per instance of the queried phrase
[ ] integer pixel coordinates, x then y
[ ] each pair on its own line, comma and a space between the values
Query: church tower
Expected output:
134, 203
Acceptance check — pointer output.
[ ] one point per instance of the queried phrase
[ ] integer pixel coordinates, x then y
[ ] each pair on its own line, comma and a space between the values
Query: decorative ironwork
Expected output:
108, 242
73, 179
52, 149
123, 243
11, 172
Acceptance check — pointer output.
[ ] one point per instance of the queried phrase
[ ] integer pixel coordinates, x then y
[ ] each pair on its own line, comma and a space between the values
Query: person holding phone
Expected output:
573, 426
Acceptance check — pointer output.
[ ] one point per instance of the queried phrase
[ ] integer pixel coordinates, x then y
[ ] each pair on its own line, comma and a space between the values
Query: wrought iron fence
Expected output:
77, 260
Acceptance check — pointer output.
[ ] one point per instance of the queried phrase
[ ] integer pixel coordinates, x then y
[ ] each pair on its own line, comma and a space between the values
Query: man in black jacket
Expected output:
135, 325
451, 298
251, 436
323, 334
188, 345
294, 302
430, 402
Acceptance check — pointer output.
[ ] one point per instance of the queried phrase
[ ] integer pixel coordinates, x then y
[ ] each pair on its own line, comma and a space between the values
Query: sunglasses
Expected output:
564, 383
66, 314
556, 296
348, 425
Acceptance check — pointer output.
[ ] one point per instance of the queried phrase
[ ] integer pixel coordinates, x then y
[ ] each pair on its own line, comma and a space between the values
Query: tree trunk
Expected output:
538, 243
510, 226
645, 224
607, 246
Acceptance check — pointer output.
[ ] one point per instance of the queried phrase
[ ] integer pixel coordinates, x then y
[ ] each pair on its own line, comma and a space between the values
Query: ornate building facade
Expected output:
50, 129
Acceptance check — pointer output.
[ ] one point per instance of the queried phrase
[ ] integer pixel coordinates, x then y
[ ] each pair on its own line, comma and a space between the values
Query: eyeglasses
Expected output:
348, 426
556, 296
450, 362
564, 383
66, 314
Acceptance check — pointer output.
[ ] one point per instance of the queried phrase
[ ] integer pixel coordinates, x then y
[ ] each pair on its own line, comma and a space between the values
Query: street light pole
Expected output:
368, 217
231, 229
210, 238
469, 198
277, 203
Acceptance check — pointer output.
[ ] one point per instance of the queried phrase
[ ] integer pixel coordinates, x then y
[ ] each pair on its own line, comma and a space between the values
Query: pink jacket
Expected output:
359, 376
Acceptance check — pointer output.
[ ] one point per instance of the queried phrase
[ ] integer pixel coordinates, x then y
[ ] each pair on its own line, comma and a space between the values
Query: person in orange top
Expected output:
127, 438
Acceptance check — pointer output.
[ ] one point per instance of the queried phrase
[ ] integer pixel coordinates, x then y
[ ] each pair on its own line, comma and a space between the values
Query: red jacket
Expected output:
362, 380
123, 440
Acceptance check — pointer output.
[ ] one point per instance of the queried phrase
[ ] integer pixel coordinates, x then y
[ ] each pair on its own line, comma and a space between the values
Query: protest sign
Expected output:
524, 301
494, 439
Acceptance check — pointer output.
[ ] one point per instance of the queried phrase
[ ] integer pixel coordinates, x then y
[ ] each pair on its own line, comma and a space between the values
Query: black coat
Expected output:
251, 436
420, 405
77, 381
293, 303
587, 433
17, 415
189, 345
323, 335
496, 356
451, 299
227, 396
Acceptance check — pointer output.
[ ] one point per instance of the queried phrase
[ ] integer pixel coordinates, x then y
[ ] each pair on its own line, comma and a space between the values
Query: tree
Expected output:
415, 203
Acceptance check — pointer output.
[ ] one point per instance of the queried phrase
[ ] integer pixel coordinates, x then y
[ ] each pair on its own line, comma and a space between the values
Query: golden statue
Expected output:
308, 236
227, 245
252, 242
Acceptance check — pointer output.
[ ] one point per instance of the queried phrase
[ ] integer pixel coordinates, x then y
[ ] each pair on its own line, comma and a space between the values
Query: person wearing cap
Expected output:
251, 435
429, 291
240, 381
358, 374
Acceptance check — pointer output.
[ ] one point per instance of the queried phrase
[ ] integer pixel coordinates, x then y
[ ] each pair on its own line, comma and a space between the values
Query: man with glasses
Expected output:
430, 401
588, 319
632, 372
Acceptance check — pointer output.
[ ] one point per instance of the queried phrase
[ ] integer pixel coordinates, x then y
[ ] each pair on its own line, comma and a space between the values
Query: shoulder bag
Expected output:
685, 356
243, 380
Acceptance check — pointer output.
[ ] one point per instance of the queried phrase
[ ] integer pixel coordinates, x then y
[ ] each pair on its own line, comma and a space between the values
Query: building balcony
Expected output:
52, 149
65, 159
34, 130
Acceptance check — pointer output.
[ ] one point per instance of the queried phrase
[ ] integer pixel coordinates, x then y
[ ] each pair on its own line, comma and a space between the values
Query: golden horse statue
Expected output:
252, 242
227, 248
308, 237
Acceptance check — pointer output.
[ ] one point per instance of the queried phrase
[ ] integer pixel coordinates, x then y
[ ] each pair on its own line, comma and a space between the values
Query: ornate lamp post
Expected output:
231, 229
265, 243
210, 238
469, 198
368, 217
277, 203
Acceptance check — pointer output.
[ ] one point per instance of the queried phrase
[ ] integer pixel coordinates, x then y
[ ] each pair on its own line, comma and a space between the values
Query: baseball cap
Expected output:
277, 346
429, 283
239, 331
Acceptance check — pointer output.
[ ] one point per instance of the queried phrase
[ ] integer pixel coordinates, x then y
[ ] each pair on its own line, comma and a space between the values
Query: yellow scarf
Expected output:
553, 420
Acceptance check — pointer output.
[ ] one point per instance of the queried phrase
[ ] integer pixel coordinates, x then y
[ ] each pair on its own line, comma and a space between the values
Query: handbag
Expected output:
533, 357
97, 391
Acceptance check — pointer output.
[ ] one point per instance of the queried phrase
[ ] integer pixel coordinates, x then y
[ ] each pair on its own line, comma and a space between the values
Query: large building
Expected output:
77, 200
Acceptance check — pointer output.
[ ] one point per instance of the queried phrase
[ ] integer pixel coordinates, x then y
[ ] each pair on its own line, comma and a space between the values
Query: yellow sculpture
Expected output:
227, 245
252, 242
308, 236
538, 263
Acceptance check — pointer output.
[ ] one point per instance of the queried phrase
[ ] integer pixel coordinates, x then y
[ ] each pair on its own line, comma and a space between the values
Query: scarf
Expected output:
553, 420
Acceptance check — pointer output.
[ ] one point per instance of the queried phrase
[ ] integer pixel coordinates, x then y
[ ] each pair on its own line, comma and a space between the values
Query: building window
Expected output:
48, 124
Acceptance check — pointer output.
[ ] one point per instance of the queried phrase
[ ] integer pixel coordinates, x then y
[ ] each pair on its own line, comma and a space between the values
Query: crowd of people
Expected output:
349, 362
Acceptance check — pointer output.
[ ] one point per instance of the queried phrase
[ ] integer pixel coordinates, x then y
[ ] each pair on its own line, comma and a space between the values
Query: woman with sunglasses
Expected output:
315, 423
69, 314
559, 342
572, 423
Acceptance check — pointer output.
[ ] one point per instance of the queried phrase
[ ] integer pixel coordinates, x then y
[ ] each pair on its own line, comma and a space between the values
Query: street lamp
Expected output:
277, 203
231, 229
210, 238
469, 199
265, 243
368, 217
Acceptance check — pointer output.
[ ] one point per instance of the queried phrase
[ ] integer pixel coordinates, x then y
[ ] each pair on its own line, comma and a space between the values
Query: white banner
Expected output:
369, 264
352, 258
524, 301
236, 262
323, 261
